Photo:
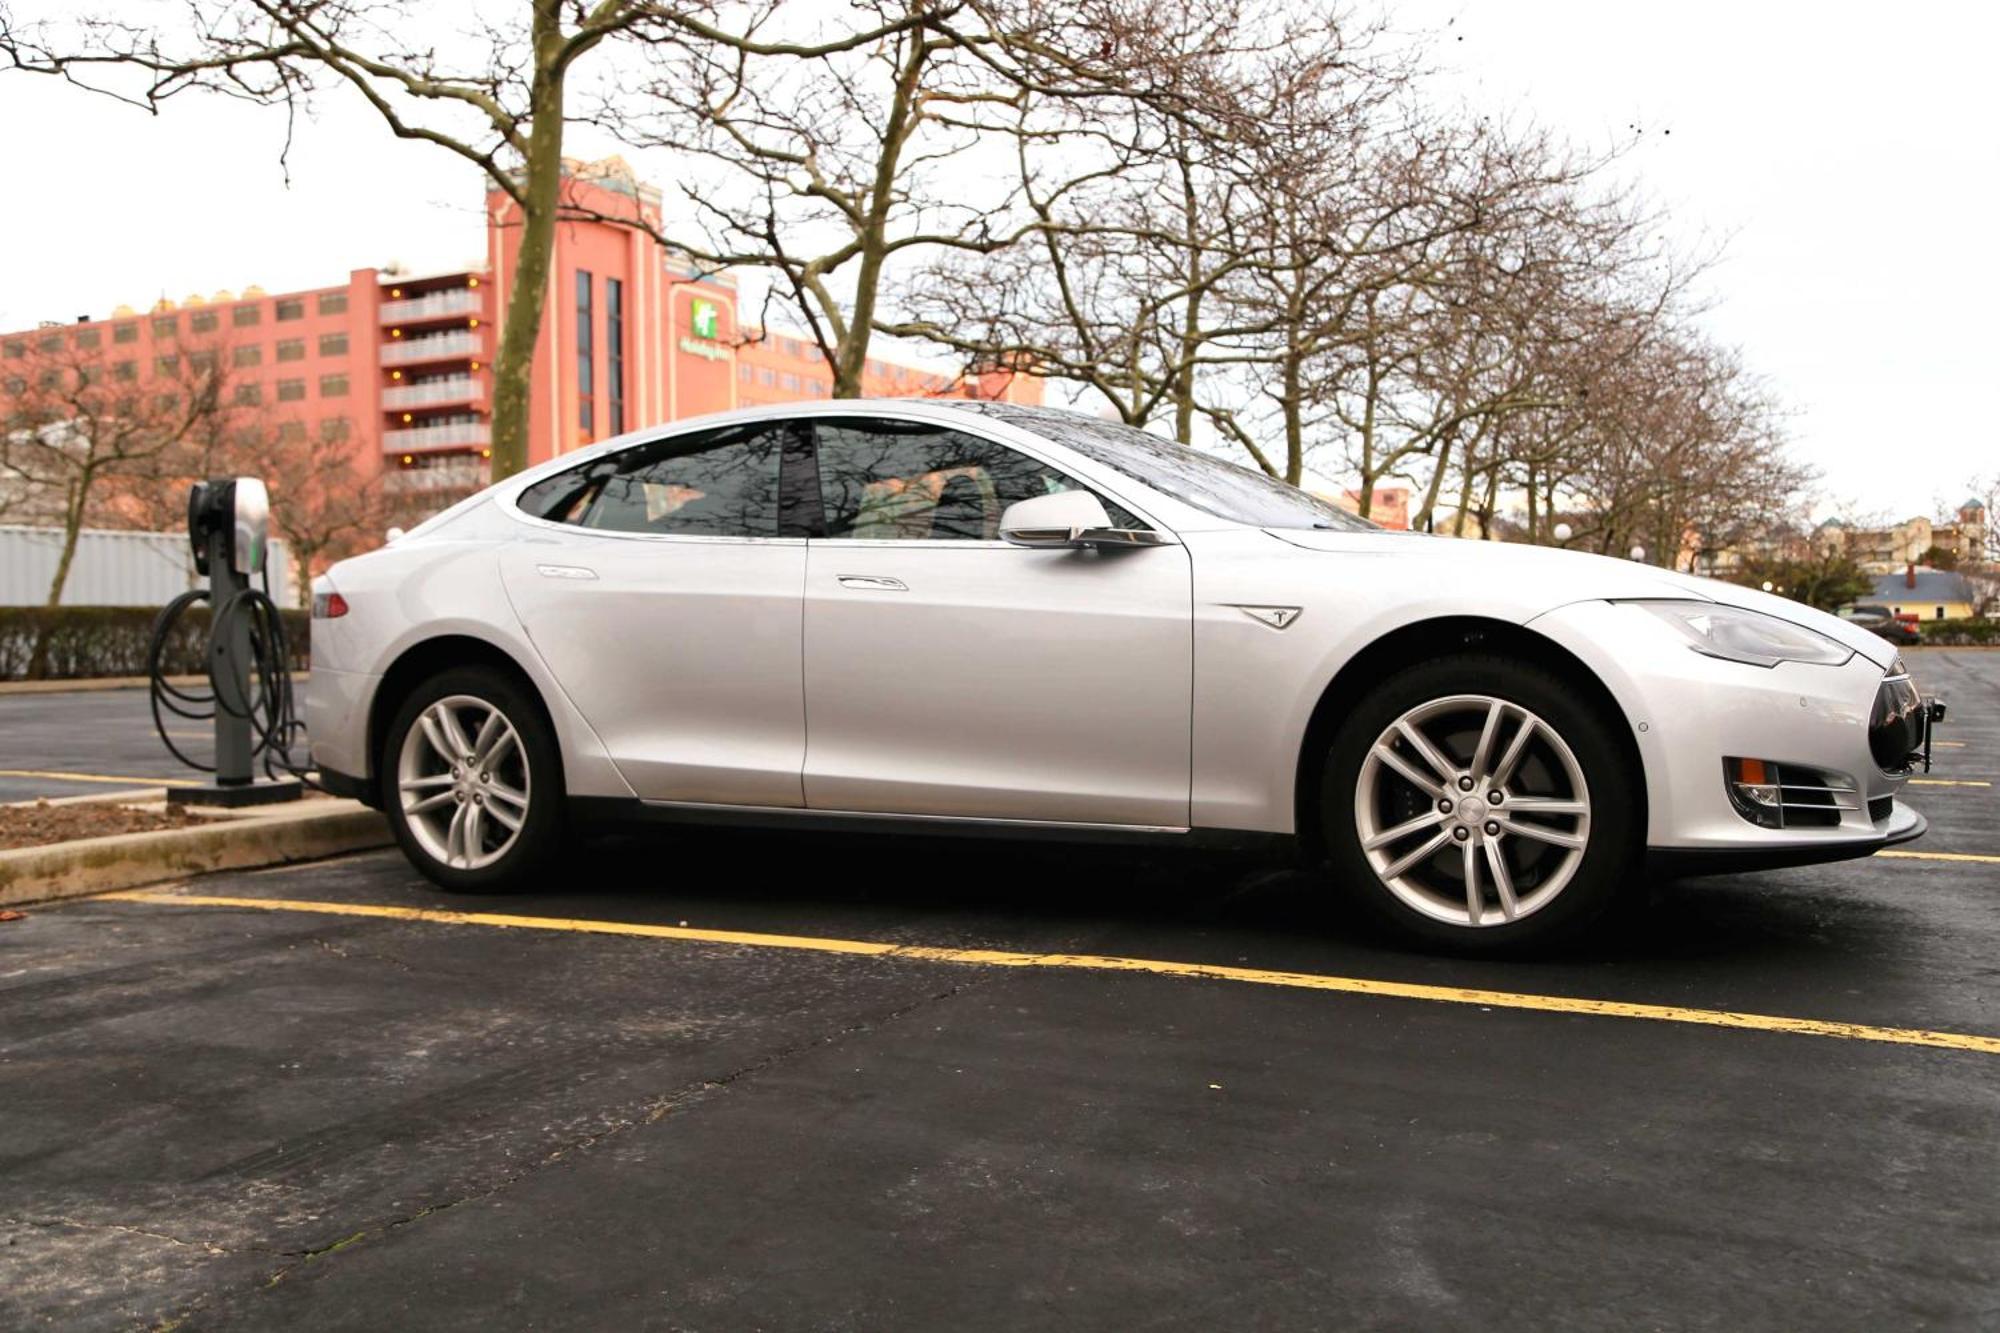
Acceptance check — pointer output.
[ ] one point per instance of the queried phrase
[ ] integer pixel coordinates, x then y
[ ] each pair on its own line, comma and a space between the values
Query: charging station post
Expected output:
229, 528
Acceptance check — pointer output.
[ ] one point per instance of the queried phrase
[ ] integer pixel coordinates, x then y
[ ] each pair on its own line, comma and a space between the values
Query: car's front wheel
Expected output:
1481, 803
472, 782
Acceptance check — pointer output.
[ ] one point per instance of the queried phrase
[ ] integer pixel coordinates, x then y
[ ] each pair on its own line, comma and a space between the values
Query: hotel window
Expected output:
166, 365
292, 308
745, 371
790, 382
333, 428
291, 432
16, 384
203, 321
249, 395
16, 348
333, 303
290, 391
333, 344
245, 315
87, 338
50, 342
124, 370
586, 370
248, 354
614, 353
333, 386
767, 376
203, 360
125, 333
291, 349
166, 326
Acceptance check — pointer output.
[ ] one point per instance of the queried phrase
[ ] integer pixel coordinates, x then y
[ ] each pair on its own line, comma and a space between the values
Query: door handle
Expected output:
872, 583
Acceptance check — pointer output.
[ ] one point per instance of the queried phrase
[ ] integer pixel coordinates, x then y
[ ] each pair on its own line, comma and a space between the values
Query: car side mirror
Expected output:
1068, 519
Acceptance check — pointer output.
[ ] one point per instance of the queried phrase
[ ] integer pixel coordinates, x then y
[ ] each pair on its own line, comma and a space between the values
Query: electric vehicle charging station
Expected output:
250, 691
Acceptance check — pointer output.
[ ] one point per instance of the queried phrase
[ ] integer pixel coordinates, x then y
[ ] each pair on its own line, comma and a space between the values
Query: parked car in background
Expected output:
966, 616
1881, 620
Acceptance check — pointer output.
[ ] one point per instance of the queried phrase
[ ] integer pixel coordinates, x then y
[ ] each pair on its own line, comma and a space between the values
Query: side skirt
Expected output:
610, 812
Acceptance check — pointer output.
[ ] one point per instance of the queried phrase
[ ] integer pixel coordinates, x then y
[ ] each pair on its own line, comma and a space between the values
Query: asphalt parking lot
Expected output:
89, 742
720, 1081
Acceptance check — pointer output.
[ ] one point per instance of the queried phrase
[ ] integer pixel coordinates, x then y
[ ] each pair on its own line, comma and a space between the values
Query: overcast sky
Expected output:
1847, 157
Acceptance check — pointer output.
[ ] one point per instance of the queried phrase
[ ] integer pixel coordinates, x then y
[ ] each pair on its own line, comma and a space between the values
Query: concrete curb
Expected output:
89, 684
126, 860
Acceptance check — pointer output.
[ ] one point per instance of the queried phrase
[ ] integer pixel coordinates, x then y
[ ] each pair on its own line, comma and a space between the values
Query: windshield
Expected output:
1188, 475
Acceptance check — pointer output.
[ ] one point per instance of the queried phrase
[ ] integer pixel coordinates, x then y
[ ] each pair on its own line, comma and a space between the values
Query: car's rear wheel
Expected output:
1481, 803
472, 782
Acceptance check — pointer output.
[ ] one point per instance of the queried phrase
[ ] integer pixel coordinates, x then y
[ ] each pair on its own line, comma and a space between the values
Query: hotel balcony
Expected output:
457, 389
420, 480
452, 435
436, 347
438, 305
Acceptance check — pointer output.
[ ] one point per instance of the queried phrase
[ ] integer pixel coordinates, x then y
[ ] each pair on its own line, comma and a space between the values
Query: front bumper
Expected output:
1688, 712
1903, 825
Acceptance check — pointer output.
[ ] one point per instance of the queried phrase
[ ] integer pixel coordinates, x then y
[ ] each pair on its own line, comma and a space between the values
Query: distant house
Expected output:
1927, 594
1885, 550
1389, 506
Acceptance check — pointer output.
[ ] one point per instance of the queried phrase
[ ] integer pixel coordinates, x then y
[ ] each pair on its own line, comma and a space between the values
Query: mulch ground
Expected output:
40, 824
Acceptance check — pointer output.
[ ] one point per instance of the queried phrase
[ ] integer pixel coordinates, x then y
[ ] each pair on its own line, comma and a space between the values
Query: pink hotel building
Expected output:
400, 364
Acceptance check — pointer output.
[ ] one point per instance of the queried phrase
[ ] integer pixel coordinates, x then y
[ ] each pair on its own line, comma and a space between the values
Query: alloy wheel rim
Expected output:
1472, 810
463, 782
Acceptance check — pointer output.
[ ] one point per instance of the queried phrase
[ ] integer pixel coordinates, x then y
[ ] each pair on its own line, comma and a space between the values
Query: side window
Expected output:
887, 480
720, 483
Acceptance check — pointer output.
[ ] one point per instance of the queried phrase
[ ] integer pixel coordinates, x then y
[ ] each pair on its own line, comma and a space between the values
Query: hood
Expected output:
1556, 577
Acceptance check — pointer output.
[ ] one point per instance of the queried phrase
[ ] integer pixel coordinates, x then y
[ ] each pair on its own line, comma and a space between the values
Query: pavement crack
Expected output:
79, 1224
349, 952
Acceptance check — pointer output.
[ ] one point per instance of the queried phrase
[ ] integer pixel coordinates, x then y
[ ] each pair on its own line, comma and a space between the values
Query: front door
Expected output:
667, 605
950, 674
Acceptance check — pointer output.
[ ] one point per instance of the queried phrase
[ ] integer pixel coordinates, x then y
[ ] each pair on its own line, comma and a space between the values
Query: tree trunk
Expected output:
851, 357
38, 660
73, 512
541, 182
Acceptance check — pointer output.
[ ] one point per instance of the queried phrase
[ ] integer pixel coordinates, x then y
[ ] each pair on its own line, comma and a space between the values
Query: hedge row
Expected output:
1959, 633
77, 642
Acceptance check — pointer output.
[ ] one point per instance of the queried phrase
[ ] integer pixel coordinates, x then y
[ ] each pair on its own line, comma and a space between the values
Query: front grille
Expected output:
1896, 725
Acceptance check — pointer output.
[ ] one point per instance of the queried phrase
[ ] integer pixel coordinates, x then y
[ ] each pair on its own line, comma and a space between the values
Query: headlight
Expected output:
1736, 635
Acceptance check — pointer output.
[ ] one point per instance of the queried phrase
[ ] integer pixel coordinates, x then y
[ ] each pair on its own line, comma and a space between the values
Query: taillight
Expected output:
328, 606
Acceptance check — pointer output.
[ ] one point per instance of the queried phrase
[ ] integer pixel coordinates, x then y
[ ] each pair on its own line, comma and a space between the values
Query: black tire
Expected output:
1614, 830
536, 844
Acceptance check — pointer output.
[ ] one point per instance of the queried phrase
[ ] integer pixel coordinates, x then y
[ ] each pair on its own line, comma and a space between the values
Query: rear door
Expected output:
664, 592
949, 673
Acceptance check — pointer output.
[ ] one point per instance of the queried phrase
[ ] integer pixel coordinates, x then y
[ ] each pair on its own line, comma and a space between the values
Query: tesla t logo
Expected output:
704, 318
1277, 617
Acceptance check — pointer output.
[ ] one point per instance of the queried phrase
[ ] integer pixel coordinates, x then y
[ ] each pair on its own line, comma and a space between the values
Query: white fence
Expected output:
114, 568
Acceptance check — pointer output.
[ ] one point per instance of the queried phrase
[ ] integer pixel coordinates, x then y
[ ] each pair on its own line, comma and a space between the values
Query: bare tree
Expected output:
499, 101
71, 425
831, 149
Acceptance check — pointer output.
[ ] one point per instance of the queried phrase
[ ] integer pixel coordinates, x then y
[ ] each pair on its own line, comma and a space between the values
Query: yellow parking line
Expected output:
1491, 999
95, 777
1949, 745
1944, 856
1948, 782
